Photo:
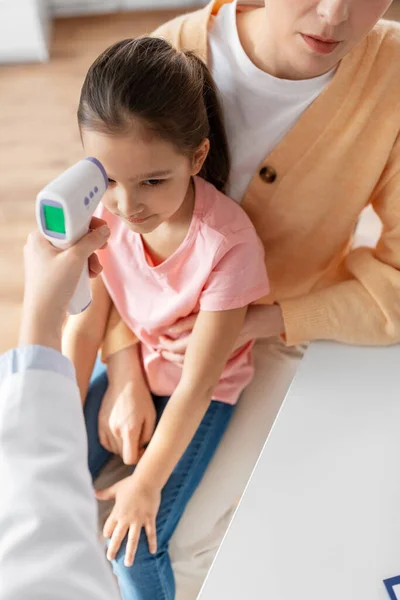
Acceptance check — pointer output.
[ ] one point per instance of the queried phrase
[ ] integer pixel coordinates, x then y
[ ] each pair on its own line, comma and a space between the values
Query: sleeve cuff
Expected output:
305, 320
213, 304
35, 358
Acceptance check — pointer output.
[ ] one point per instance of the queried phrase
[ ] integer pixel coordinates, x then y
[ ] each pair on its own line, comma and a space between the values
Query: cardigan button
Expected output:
268, 174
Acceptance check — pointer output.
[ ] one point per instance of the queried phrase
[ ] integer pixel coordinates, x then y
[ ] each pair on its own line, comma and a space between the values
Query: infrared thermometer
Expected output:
64, 209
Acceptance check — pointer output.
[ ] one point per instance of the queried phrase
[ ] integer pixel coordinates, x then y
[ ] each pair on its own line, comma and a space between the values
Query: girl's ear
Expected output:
200, 156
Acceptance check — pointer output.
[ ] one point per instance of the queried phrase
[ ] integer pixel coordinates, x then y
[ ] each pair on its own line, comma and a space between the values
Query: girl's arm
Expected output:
84, 333
213, 338
138, 497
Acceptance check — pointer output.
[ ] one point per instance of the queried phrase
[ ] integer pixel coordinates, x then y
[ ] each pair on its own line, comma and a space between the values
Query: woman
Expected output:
310, 91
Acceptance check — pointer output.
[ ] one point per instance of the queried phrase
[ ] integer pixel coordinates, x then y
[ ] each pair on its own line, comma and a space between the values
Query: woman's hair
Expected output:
169, 91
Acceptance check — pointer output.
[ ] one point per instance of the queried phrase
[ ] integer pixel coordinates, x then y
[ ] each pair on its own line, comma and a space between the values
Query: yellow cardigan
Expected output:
343, 154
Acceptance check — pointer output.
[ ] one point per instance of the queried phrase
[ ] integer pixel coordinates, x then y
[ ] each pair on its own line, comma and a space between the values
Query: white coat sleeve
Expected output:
49, 548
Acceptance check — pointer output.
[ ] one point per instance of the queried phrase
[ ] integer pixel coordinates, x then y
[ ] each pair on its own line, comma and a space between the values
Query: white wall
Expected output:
79, 7
160, 4
25, 24
24, 31
76, 7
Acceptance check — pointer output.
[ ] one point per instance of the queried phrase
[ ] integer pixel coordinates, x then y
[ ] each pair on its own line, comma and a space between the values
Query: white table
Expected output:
320, 518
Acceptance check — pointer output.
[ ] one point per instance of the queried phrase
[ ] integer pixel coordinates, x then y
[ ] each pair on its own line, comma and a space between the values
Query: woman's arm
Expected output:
117, 336
363, 308
84, 333
213, 338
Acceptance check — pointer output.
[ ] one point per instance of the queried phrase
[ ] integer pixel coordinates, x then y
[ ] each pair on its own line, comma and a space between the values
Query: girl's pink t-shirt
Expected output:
219, 266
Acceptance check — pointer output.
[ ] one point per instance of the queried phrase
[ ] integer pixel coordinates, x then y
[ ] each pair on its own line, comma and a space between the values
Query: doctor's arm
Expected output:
48, 542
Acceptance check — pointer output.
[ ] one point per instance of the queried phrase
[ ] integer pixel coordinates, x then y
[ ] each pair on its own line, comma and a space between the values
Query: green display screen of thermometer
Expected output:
54, 218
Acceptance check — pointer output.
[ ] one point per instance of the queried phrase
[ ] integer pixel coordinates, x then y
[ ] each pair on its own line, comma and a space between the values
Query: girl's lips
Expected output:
319, 45
137, 221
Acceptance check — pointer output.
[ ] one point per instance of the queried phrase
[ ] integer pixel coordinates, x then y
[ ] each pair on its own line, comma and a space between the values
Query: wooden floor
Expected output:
39, 136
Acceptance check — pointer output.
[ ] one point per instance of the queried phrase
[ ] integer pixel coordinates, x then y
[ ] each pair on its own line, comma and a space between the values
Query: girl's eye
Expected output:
111, 181
153, 182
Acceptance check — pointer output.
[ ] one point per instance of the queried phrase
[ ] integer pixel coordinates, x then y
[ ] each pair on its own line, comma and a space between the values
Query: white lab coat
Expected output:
49, 548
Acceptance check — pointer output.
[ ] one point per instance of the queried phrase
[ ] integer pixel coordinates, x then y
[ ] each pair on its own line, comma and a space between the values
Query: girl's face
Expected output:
148, 179
306, 38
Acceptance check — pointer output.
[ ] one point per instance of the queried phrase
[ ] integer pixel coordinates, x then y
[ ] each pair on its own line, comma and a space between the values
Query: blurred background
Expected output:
46, 47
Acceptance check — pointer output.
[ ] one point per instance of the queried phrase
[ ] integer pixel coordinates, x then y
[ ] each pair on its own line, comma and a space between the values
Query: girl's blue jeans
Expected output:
151, 576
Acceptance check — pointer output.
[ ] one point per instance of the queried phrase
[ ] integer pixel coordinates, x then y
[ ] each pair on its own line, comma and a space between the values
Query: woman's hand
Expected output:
175, 343
136, 507
127, 416
262, 321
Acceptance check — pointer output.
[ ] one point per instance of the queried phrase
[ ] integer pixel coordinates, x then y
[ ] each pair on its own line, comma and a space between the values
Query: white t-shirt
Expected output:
259, 109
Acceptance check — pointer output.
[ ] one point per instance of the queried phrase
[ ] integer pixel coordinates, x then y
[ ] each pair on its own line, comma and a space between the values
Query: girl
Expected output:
178, 246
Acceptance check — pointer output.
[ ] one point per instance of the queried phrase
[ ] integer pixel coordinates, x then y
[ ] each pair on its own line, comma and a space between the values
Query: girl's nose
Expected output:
127, 205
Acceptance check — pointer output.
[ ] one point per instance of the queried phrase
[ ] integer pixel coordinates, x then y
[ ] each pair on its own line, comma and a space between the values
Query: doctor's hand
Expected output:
51, 276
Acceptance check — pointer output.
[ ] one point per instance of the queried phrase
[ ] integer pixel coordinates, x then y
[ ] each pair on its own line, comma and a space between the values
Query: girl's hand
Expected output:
262, 321
127, 420
127, 416
136, 506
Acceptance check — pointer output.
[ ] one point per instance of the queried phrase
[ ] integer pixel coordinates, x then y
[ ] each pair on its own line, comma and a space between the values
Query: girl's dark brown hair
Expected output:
170, 91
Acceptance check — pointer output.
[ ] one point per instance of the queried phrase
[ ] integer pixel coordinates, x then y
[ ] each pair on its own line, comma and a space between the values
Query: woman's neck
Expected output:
260, 46
257, 43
